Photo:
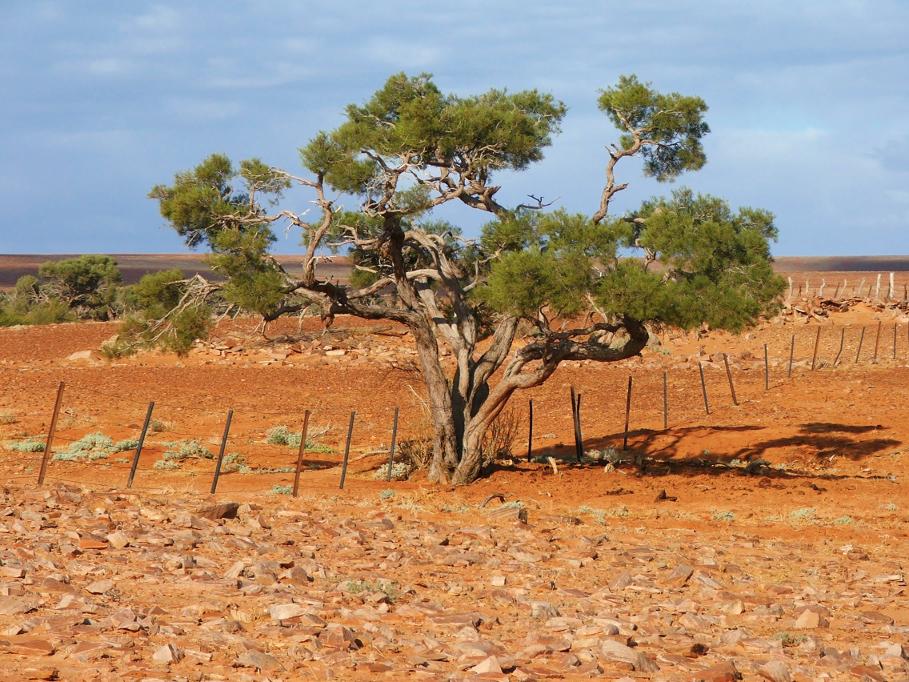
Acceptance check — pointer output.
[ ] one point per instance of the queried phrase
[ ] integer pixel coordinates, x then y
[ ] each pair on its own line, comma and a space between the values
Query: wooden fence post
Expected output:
529, 428
791, 356
304, 434
135, 463
817, 340
214, 480
859, 351
836, 360
735, 400
50, 434
877, 339
665, 399
350, 426
704, 387
580, 433
394, 441
575, 403
627, 413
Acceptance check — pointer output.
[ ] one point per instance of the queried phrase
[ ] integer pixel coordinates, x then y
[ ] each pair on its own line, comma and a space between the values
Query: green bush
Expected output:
187, 449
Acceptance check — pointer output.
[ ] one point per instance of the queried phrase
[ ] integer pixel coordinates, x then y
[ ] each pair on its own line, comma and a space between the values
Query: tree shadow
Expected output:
661, 452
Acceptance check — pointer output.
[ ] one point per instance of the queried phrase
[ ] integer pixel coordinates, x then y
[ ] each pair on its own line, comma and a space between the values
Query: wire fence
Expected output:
161, 440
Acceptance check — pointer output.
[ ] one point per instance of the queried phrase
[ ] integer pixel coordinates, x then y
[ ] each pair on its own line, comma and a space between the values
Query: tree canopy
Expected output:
571, 286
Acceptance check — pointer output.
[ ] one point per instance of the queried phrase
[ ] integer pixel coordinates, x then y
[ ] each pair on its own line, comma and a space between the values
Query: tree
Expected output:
537, 289
87, 284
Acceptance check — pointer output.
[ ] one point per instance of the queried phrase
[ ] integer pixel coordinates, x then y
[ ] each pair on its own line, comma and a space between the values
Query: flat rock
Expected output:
775, 671
224, 510
100, 586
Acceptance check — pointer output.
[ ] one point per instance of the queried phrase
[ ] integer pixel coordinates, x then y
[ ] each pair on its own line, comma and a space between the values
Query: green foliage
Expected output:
156, 293
27, 445
87, 284
76, 288
714, 264
671, 125
187, 449
281, 435
281, 490
94, 446
411, 118
254, 281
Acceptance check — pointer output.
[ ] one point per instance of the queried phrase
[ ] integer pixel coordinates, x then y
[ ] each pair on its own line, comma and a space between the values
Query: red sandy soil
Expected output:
818, 522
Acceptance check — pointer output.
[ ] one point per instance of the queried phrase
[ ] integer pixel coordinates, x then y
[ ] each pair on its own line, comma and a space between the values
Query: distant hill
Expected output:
133, 266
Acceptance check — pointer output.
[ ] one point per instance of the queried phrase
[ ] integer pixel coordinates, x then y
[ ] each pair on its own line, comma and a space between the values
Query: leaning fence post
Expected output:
877, 339
791, 356
842, 343
859, 351
575, 422
580, 436
135, 464
347, 450
627, 413
304, 434
214, 480
394, 441
766, 369
704, 387
735, 400
817, 340
665, 399
50, 434
529, 428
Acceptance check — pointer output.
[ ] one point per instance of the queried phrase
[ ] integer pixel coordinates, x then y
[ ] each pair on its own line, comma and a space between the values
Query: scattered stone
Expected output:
100, 587
167, 654
225, 510
775, 671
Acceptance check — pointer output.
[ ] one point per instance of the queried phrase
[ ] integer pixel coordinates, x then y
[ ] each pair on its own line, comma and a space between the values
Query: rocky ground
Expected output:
764, 541
105, 585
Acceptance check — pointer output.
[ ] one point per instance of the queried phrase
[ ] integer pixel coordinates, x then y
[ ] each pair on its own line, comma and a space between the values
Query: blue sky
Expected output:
809, 104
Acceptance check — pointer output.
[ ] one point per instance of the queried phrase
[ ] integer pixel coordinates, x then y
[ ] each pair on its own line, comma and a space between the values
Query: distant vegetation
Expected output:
91, 288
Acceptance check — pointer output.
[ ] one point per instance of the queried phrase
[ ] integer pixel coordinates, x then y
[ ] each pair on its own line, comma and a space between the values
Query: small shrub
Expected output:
787, 639
232, 463
805, 514
890, 507
723, 515
94, 446
27, 445
126, 444
8, 418
843, 521
166, 465
157, 426
282, 435
399, 471
389, 589
386, 494
281, 490
187, 449
609, 455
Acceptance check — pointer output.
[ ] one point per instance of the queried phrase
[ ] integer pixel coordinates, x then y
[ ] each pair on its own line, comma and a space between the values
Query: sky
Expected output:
809, 108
